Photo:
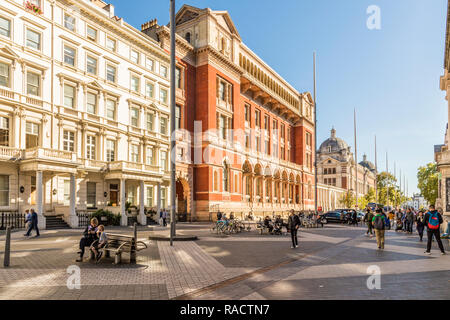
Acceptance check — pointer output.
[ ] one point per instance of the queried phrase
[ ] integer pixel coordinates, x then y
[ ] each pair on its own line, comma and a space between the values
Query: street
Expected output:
330, 263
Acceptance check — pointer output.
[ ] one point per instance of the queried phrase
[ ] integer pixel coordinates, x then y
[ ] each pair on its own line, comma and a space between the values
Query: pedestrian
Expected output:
293, 225
27, 219
33, 224
368, 220
409, 221
391, 217
100, 243
420, 224
161, 217
89, 236
379, 222
355, 218
433, 221
164, 217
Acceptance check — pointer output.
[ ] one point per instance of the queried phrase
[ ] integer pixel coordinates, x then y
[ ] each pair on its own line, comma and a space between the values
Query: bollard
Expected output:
7, 247
134, 245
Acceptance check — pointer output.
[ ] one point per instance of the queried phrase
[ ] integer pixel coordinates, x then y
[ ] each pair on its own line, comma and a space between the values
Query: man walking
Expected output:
368, 219
293, 225
33, 224
433, 221
379, 224
409, 221
164, 217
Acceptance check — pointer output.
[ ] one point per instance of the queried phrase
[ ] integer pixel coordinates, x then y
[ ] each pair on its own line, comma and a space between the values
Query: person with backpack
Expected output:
433, 221
379, 224
420, 224
368, 220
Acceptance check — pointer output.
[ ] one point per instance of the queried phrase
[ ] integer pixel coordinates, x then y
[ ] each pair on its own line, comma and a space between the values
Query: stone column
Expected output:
158, 200
40, 200
142, 217
73, 220
123, 214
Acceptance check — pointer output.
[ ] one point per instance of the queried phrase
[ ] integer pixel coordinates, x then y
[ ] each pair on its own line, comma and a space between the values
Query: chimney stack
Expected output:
149, 25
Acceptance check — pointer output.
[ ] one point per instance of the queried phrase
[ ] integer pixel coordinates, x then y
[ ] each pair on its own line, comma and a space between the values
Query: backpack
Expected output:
433, 221
379, 222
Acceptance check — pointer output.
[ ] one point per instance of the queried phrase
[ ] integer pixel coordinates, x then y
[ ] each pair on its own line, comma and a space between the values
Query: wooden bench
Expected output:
118, 244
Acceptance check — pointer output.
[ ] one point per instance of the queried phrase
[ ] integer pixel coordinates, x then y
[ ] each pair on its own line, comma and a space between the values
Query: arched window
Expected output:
226, 177
188, 37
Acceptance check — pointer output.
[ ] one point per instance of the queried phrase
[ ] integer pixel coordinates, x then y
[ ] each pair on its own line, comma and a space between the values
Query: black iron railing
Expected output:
84, 218
12, 219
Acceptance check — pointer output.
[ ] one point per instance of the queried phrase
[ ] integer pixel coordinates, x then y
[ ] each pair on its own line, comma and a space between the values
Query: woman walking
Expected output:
420, 224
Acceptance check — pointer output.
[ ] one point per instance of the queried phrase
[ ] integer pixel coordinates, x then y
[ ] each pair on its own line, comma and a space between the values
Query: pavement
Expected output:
333, 262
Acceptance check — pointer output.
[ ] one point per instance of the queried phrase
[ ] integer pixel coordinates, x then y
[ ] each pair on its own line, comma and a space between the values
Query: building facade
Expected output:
84, 111
251, 131
442, 152
336, 167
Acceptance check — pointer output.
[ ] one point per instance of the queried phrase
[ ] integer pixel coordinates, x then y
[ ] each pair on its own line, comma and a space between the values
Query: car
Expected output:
331, 216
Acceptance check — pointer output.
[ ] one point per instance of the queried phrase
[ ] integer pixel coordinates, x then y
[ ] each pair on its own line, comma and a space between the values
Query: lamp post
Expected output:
172, 123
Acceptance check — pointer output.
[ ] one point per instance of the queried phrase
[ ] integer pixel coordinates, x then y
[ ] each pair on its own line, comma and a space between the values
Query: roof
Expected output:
336, 144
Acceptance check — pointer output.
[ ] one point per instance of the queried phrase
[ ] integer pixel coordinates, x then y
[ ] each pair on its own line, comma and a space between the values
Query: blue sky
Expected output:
391, 76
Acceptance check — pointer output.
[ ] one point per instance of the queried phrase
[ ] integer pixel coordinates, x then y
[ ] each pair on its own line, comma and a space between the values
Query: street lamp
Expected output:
173, 144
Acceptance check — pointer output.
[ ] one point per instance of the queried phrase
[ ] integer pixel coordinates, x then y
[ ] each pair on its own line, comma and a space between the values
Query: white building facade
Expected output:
84, 111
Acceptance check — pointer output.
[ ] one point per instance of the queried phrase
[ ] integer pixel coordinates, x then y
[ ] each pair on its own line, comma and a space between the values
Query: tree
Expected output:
348, 199
386, 184
369, 197
428, 179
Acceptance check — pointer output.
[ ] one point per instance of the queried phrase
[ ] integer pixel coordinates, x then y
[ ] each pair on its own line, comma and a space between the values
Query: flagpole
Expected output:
315, 136
356, 158
376, 172
387, 175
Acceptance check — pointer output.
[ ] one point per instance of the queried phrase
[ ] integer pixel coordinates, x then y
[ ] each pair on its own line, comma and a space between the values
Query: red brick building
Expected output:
245, 142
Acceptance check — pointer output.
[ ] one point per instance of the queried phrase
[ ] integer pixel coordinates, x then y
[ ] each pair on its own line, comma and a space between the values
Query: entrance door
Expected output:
33, 191
114, 194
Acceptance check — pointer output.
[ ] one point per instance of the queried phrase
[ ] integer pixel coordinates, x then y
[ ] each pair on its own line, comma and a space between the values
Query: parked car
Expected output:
331, 216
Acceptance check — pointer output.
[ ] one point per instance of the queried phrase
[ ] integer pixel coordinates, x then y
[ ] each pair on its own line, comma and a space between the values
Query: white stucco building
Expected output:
84, 111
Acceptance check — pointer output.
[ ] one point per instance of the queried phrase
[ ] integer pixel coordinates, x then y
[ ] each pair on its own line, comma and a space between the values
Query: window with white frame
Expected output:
163, 125
4, 190
69, 96
149, 63
111, 72
150, 121
91, 194
149, 198
163, 96
4, 131
33, 84
163, 161
69, 55
69, 22
110, 150
135, 83
132, 195
31, 135
163, 71
91, 33
163, 197
91, 65
150, 154
91, 103
134, 153
149, 90
33, 39
5, 27
111, 44
134, 56
134, 116
111, 109
4, 75
69, 141
90, 147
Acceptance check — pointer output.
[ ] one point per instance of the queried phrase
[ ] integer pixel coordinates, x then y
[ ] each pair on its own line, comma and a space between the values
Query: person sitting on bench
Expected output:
100, 243
89, 236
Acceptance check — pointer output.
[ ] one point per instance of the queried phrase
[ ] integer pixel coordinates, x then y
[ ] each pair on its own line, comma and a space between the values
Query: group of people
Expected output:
31, 222
94, 237
404, 221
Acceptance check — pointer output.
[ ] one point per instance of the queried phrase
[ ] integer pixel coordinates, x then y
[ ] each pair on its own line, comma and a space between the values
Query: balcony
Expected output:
10, 153
49, 154
132, 166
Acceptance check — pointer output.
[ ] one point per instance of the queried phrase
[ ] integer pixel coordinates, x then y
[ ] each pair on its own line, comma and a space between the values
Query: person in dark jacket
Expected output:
409, 221
420, 224
368, 219
293, 225
431, 230
33, 224
89, 236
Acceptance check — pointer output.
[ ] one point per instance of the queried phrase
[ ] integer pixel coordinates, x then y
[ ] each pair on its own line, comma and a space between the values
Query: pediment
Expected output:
224, 19
95, 84
7, 51
186, 13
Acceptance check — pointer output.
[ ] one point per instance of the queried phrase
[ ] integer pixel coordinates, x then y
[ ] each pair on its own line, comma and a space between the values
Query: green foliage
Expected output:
348, 199
428, 179
111, 218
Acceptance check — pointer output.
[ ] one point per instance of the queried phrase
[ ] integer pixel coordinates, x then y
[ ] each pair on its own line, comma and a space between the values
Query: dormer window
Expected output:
329, 149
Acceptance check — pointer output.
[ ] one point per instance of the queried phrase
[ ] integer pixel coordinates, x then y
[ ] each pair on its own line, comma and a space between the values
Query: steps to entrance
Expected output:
53, 222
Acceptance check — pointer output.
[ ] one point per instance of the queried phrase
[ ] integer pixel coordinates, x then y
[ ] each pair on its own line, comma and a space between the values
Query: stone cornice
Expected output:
219, 57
